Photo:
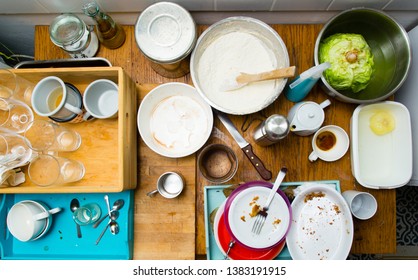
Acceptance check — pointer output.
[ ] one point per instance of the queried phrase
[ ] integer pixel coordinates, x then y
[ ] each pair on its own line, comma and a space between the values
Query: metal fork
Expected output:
261, 217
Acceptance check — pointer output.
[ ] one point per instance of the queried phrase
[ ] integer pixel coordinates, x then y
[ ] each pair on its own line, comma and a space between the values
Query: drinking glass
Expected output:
14, 115
42, 135
15, 87
87, 214
13, 150
46, 170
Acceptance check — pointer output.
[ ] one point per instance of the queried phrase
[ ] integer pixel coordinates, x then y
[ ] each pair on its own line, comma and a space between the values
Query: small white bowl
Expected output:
381, 161
174, 120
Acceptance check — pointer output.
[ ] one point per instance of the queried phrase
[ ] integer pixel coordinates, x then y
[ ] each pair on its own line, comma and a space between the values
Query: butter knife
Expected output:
244, 145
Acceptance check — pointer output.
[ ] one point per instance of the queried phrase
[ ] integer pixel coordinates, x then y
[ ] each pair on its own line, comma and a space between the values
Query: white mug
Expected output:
363, 205
329, 143
29, 220
53, 98
101, 100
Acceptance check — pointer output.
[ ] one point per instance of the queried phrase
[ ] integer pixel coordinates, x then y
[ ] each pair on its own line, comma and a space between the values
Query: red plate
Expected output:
240, 252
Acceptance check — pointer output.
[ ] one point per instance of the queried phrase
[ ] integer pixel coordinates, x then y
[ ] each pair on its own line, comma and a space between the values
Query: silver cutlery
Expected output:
262, 214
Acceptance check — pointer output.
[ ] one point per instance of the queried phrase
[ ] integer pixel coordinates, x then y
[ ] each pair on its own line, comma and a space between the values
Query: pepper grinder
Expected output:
271, 130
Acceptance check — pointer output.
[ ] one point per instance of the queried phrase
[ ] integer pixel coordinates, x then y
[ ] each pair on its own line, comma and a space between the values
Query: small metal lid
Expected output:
277, 127
165, 32
66, 29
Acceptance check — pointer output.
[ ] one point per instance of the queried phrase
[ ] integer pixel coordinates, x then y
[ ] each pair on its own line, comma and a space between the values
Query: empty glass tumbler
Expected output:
13, 151
87, 214
42, 135
15, 115
14, 86
46, 170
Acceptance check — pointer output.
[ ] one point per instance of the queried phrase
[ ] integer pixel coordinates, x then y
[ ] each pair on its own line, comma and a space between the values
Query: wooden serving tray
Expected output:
109, 147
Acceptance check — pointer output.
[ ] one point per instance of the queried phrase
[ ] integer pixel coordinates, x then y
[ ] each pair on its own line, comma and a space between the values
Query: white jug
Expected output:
306, 117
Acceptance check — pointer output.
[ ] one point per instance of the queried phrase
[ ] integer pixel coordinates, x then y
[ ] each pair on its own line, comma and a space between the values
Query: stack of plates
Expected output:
233, 223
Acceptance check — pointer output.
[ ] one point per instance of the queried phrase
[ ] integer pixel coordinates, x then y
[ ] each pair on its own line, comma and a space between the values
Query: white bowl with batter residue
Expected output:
174, 120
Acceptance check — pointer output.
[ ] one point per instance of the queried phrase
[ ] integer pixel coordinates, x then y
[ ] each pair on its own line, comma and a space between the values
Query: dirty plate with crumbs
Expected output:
322, 225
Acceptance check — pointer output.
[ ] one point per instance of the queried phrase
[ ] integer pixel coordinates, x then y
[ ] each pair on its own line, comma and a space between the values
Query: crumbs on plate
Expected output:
312, 195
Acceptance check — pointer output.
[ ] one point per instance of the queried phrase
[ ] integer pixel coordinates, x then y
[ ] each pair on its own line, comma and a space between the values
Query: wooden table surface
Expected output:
175, 229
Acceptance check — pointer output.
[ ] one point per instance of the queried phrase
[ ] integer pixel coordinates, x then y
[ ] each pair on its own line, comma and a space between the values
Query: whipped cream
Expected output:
179, 123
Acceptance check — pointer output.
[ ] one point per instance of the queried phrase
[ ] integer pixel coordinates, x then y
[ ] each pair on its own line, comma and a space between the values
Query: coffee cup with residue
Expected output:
330, 143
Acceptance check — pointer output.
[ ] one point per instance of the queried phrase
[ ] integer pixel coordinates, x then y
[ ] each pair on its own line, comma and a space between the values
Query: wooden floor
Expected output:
175, 229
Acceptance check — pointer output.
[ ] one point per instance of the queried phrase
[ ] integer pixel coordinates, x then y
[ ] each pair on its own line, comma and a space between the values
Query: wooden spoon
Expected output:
241, 79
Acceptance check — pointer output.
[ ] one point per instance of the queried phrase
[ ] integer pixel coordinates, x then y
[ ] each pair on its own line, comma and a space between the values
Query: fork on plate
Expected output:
261, 217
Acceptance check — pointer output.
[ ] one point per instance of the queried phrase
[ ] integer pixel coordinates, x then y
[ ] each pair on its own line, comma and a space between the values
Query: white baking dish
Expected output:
381, 161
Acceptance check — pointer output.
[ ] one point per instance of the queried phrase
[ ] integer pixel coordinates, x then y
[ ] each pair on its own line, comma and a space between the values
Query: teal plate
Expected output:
214, 197
61, 241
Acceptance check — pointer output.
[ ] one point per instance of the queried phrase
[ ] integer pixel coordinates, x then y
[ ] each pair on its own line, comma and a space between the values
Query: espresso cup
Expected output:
29, 220
329, 143
101, 100
363, 205
61, 102
169, 185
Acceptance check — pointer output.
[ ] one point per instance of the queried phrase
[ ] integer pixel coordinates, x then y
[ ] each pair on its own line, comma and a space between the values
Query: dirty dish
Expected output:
174, 121
242, 207
218, 163
381, 139
239, 252
247, 45
322, 225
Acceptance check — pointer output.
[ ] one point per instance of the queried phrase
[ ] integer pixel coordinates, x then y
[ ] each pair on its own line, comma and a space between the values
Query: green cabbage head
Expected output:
351, 61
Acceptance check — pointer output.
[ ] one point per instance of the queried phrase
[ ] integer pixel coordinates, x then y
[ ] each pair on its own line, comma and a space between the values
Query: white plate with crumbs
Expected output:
322, 225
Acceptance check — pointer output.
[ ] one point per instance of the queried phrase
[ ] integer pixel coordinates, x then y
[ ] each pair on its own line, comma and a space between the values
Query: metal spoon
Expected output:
114, 227
117, 205
74, 204
113, 216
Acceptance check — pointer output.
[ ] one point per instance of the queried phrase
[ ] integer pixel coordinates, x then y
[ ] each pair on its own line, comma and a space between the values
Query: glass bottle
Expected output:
111, 35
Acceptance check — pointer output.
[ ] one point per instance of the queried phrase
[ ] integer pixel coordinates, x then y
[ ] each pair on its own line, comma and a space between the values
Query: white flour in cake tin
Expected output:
231, 53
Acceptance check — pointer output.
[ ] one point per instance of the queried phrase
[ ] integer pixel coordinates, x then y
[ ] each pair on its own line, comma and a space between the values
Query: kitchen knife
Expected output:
244, 145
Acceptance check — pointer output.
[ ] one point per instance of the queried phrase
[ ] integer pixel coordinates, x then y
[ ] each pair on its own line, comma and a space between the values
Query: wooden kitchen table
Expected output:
175, 229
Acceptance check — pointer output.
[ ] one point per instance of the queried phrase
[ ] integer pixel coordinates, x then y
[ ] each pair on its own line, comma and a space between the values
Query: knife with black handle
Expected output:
245, 146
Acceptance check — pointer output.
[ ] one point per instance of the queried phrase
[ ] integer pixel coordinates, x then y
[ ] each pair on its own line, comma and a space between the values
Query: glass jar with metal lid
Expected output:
70, 33
166, 34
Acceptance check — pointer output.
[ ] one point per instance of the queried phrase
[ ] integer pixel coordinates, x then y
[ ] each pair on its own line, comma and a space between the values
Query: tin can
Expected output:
166, 35
272, 130
71, 34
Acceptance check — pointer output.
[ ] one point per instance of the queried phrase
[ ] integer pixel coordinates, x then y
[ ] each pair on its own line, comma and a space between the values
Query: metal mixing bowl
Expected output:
261, 31
390, 46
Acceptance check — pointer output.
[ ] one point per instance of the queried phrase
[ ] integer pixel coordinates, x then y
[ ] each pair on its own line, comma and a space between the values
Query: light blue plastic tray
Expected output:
214, 197
61, 241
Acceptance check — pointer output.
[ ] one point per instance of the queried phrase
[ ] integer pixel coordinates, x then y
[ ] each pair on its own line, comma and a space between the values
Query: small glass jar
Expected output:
166, 34
70, 33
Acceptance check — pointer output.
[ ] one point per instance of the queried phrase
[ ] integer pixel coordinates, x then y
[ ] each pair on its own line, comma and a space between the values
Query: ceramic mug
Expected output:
330, 143
61, 102
101, 100
28, 220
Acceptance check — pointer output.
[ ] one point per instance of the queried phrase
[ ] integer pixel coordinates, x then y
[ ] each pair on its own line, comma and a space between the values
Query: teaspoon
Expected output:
117, 205
113, 216
74, 204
